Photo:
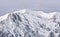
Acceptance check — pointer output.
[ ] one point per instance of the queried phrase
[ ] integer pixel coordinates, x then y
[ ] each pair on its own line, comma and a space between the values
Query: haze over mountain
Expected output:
7, 6
28, 23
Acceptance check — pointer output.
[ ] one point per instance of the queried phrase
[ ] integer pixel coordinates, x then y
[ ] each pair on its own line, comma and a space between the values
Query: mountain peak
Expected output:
21, 11
40, 13
28, 23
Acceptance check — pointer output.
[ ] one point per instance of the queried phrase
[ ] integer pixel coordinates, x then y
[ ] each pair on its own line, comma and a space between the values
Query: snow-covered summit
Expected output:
41, 13
21, 11
28, 23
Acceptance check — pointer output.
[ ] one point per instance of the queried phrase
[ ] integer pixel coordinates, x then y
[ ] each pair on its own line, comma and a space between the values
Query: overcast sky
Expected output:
7, 6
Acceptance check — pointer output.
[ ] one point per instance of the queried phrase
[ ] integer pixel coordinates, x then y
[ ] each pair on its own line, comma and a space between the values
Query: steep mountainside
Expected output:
28, 23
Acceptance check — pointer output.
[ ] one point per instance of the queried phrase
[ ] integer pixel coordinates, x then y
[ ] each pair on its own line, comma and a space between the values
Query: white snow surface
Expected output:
3, 17
41, 13
21, 11
47, 15
28, 23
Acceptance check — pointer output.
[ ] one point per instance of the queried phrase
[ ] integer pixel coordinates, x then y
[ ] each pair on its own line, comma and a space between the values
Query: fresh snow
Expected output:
21, 11
47, 15
3, 17
28, 23
42, 14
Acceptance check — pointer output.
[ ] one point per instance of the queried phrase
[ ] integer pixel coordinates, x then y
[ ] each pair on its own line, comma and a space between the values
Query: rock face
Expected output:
27, 23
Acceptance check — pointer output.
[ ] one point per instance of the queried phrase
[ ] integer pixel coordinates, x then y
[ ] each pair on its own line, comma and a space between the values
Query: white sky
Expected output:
44, 5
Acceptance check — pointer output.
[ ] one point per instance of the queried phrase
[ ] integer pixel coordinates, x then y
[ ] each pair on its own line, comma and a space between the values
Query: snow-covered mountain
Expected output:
28, 23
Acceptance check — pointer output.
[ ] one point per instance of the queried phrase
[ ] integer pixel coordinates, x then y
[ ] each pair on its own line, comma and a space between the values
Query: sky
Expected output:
7, 6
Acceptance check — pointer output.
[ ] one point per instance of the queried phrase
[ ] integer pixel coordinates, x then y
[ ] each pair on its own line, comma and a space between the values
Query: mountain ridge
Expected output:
43, 14
27, 23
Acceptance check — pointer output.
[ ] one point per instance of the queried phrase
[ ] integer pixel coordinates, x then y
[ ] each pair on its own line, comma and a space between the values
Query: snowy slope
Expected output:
3, 17
28, 23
